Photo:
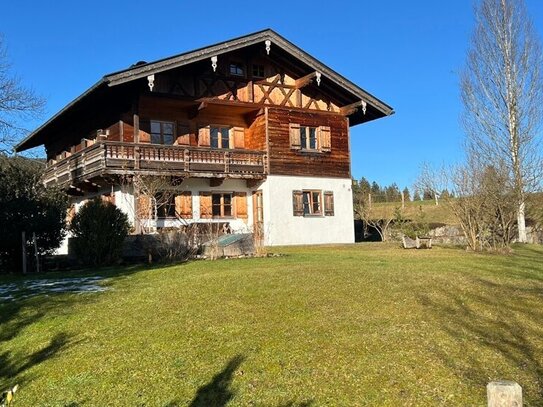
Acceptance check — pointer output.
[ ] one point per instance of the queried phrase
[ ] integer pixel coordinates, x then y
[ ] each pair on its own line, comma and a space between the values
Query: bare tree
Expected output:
17, 103
379, 219
502, 93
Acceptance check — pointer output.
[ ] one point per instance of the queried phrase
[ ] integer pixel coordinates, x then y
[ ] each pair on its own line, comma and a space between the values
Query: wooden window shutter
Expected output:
183, 134
298, 203
144, 207
325, 138
328, 203
145, 131
183, 205
294, 130
238, 137
204, 136
205, 205
240, 202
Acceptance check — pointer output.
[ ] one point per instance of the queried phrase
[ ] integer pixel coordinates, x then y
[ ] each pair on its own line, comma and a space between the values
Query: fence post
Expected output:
403, 201
23, 241
36, 255
369, 200
504, 394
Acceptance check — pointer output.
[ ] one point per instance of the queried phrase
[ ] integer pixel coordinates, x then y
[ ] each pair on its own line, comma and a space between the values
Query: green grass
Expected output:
367, 324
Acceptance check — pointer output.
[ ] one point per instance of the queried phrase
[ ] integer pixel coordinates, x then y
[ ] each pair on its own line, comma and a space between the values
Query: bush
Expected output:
99, 230
26, 205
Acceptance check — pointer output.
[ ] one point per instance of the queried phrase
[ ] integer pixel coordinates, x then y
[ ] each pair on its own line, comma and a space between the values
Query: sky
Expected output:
406, 53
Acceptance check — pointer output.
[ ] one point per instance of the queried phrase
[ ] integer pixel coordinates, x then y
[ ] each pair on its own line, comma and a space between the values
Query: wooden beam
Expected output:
305, 80
352, 108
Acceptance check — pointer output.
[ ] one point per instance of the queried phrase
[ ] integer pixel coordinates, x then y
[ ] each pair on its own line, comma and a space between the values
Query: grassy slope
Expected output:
366, 324
433, 213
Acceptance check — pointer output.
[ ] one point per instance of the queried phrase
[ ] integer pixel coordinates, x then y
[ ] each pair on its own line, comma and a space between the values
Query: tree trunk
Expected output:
521, 224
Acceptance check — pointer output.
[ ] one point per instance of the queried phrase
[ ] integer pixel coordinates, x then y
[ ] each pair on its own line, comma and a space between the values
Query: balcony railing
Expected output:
113, 157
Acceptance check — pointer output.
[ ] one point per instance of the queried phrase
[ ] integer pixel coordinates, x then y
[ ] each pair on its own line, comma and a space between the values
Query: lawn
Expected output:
356, 325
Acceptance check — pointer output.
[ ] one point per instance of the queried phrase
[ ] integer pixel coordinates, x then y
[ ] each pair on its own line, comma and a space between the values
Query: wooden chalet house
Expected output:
254, 130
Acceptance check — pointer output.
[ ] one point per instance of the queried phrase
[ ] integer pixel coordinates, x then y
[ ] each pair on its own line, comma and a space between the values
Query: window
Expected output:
221, 205
310, 203
237, 69
258, 71
313, 139
220, 137
162, 132
165, 205
308, 138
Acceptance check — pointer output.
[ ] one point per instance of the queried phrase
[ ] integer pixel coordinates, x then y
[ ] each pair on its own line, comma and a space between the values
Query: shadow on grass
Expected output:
12, 367
496, 321
217, 392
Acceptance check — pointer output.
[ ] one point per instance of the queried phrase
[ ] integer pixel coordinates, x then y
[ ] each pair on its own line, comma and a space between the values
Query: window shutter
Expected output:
240, 202
145, 131
144, 207
325, 139
183, 205
205, 205
328, 203
204, 136
294, 130
237, 138
297, 203
183, 134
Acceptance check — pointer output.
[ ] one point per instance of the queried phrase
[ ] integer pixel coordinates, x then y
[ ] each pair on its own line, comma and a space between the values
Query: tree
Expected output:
26, 205
99, 229
17, 104
378, 219
406, 195
502, 94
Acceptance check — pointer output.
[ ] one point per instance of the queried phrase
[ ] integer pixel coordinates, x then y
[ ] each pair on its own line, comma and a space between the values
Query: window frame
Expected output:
221, 138
258, 67
221, 205
311, 202
307, 137
167, 210
238, 67
162, 133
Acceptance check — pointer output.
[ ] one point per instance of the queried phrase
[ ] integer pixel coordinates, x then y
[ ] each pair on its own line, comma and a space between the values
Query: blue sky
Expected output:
407, 53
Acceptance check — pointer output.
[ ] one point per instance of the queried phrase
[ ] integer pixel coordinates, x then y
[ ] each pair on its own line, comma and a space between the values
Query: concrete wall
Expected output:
281, 227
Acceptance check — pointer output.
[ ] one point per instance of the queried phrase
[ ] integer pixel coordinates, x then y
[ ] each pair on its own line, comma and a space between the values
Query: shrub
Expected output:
99, 230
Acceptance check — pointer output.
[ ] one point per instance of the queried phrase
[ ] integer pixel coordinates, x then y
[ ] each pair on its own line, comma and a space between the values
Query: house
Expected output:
252, 132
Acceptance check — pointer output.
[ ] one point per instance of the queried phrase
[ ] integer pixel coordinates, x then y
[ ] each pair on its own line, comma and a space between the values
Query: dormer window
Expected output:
237, 69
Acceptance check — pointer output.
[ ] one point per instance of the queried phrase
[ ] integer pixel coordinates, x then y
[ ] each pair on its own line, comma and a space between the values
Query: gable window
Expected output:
258, 71
311, 203
221, 205
162, 132
236, 69
219, 137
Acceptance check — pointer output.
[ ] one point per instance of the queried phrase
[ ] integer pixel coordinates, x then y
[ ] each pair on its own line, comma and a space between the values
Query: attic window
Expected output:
258, 71
237, 69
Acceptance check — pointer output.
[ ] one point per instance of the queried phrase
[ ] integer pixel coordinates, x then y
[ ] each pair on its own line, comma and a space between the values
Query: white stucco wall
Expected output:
281, 227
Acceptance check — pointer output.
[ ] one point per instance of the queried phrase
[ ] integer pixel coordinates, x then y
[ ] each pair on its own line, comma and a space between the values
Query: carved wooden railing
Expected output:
116, 157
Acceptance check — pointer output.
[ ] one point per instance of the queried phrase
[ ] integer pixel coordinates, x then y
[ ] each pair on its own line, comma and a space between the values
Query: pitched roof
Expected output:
142, 70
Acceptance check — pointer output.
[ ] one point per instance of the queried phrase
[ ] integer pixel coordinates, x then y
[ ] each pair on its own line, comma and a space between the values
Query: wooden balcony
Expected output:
113, 157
